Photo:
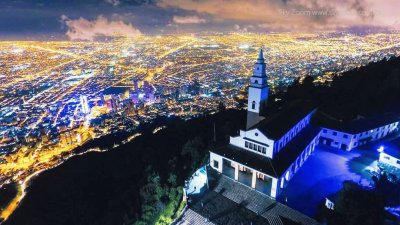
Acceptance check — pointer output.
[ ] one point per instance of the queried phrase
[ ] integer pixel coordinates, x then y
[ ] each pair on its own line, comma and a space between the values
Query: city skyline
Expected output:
134, 110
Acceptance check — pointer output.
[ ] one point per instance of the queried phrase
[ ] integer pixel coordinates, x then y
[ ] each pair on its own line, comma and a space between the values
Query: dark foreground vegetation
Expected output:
357, 205
7, 193
140, 182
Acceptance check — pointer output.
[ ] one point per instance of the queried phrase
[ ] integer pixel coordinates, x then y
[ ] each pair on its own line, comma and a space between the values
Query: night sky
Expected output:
88, 19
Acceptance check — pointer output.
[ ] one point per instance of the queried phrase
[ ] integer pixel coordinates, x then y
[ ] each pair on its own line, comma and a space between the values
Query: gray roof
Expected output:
358, 125
276, 125
229, 202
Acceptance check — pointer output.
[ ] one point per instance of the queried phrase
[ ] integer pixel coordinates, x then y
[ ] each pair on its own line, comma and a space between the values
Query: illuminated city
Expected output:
104, 80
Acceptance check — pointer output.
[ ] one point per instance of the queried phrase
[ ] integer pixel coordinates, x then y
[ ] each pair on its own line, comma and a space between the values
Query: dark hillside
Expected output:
367, 91
104, 188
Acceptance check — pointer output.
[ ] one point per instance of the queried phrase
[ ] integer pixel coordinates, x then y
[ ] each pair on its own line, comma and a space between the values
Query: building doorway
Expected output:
263, 184
228, 168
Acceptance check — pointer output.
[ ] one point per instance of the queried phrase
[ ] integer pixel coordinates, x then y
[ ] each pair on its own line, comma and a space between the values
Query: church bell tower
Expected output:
258, 91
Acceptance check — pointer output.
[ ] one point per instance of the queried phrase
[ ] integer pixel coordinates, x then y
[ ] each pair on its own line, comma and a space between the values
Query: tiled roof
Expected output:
278, 124
229, 202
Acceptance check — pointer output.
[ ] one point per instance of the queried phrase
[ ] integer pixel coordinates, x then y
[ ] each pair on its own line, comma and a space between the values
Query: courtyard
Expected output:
323, 174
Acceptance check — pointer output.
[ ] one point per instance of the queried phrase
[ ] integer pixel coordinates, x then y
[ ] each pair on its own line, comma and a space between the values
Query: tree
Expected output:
356, 205
192, 149
387, 185
151, 194
221, 106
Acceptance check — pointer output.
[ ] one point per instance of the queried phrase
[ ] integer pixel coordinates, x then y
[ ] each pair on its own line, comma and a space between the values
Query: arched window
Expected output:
256, 81
253, 105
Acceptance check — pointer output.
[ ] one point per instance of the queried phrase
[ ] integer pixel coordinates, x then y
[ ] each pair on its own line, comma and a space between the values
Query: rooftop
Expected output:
276, 125
229, 202
357, 125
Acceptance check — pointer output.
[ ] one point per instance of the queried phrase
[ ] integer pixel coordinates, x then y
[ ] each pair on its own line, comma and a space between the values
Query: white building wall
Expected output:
256, 138
339, 139
216, 158
277, 184
388, 159
256, 95
274, 188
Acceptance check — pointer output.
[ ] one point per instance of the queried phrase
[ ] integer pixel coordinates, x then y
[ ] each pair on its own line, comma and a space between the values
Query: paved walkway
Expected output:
323, 174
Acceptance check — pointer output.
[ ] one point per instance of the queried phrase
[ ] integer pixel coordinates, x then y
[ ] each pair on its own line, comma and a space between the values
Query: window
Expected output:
334, 133
256, 134
256, 81
216, 164
345, 136
324, 131
398, 161
251, 145
386, 157
259, 148
253, 105
246, 144
264, 150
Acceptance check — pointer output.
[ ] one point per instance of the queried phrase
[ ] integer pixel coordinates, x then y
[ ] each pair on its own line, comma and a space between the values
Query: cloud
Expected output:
361, 8
113, 2
293, 15
188, 20
83, 29
243, 28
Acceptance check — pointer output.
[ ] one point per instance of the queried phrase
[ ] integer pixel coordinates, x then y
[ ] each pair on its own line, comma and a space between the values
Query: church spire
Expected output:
260, 66
258, 91
260, 58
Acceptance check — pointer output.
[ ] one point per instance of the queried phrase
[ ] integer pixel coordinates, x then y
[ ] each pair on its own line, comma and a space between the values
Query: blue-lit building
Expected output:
358, 132
390, 156
272, 148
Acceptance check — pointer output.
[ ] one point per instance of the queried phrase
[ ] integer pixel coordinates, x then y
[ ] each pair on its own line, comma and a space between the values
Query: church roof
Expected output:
280, 163
278, 124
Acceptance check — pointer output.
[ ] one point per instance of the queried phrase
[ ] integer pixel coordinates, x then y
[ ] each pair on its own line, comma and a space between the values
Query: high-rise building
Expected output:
135, 85
134, 95
112, 104
84, 104
148, 92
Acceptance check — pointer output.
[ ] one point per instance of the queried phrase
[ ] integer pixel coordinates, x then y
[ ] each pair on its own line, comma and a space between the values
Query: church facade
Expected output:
269, 152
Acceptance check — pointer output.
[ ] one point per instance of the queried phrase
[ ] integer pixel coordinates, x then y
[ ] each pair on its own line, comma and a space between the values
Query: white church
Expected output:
272, 149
